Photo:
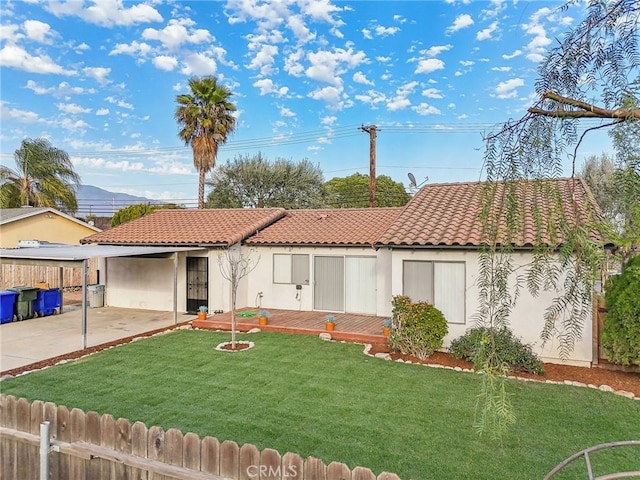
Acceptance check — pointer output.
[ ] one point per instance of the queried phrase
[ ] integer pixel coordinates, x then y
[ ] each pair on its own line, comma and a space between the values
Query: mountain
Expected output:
103, 203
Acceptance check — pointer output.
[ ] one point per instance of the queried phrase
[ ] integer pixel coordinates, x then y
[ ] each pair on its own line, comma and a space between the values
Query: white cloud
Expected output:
264, 59
79, 125
487, 33
106, 13
63, 89
321, 10
501, 69
199, 64
425, 109
16, 57
537, 47
135, 48
429, 65
99, 74
432, 93
461, 21
267, 86
372, 98
10, 33
516, 53
383, 59
292, 63
507, 89
327, 66
102, 111
37, 31
360, 77
328, 120
381, 31
436, 50
119, 103
466, 63
331, 95
366, 33
165, 62
399, 19
285, 112
398, 103
16, 114
299, 29
176, 34
72, 108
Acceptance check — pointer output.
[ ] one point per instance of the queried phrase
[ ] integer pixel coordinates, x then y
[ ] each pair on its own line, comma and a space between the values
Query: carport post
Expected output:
61, 285
175, 287
85, 273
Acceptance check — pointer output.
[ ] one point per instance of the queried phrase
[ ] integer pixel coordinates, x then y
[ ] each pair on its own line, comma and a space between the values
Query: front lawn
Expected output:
297, 393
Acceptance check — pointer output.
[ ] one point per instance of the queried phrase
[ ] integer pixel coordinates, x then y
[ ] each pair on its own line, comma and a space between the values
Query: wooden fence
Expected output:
12, 275
89, 446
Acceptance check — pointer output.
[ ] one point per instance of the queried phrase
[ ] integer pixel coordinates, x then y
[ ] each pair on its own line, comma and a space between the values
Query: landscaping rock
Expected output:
254, 330
625, 394
605, 388
325, 336
385, 356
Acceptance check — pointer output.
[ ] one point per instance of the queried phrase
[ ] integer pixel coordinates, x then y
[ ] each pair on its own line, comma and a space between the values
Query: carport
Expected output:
77, 256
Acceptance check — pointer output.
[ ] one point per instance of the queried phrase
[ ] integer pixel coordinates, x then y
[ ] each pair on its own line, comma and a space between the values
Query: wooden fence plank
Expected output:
173, 447
51, 416
249, 462
139, 447
338, 471
155, 448
191, 451
36, 414
93, 436
388, 476
12, 275
8, 469
78, 466
210, 455
271, 465
64, 434
107, 440
361, 473
229, 459
293, 466
23, 423
123, 444
314, 468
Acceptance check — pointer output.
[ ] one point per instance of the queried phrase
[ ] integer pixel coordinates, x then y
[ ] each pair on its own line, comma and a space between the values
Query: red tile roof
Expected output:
332, 226
189, 227
449, 214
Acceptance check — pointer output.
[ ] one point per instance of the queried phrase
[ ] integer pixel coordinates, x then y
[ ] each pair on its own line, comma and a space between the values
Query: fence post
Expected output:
44, 450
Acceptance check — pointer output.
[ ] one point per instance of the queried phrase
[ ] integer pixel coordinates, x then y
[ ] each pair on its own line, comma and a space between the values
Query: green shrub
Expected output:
417, 328
475, 346
621, 325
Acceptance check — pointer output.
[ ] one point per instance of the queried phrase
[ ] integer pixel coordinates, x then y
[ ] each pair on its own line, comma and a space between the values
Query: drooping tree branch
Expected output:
586, 110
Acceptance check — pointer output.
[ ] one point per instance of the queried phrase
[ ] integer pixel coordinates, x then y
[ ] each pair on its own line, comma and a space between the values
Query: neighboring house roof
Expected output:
448, 214
331, 226
9, 215
189, 227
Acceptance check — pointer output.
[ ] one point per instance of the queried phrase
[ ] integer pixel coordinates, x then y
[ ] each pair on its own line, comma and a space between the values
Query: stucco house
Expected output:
43, 224
343, 260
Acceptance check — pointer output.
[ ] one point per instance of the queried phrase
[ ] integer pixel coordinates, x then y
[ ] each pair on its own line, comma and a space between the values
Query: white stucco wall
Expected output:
527, 318
286, 296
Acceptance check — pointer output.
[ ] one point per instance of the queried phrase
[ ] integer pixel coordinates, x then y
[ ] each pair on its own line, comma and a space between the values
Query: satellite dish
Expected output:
412, 180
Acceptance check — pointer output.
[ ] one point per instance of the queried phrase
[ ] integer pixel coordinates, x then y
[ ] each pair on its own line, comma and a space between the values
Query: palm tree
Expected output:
205, 119
44, 177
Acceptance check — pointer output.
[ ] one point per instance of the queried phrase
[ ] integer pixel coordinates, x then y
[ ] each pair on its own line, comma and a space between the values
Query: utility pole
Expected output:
371, 130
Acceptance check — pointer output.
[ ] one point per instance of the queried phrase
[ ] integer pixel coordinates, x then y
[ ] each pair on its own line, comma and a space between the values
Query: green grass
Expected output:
297, 393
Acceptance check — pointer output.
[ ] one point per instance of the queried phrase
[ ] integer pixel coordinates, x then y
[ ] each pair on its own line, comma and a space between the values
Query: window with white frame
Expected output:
291, 268
440, 283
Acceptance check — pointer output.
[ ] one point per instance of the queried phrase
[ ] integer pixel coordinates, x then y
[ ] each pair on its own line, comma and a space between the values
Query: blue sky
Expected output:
99, 80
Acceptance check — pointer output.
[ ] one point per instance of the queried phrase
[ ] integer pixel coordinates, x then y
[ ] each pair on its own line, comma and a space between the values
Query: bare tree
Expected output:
234, 265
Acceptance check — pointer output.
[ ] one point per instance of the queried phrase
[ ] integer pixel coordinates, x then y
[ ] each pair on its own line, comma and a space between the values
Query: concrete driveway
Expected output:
29, 341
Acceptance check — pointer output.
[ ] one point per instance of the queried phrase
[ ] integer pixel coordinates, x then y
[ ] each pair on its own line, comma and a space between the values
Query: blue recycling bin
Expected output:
47, 302
7, 303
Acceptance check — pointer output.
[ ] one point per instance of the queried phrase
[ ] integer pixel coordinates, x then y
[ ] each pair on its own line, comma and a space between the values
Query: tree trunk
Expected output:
201, 175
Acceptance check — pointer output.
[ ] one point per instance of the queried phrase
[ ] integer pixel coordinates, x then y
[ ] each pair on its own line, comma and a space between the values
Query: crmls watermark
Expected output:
290, 471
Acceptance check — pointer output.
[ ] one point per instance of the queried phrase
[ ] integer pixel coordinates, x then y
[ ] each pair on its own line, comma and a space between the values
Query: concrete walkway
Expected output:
29, 341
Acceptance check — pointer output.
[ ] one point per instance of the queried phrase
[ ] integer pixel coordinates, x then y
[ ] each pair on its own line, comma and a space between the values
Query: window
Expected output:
439, 283
293, 269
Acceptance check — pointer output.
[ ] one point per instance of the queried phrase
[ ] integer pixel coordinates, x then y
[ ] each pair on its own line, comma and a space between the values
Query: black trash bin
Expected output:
24, 301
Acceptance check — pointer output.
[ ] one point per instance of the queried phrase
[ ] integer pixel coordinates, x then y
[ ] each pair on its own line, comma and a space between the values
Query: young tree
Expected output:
138, 210
599, 58
254, 182
353, 191
44, 177
205, 117
234, 266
